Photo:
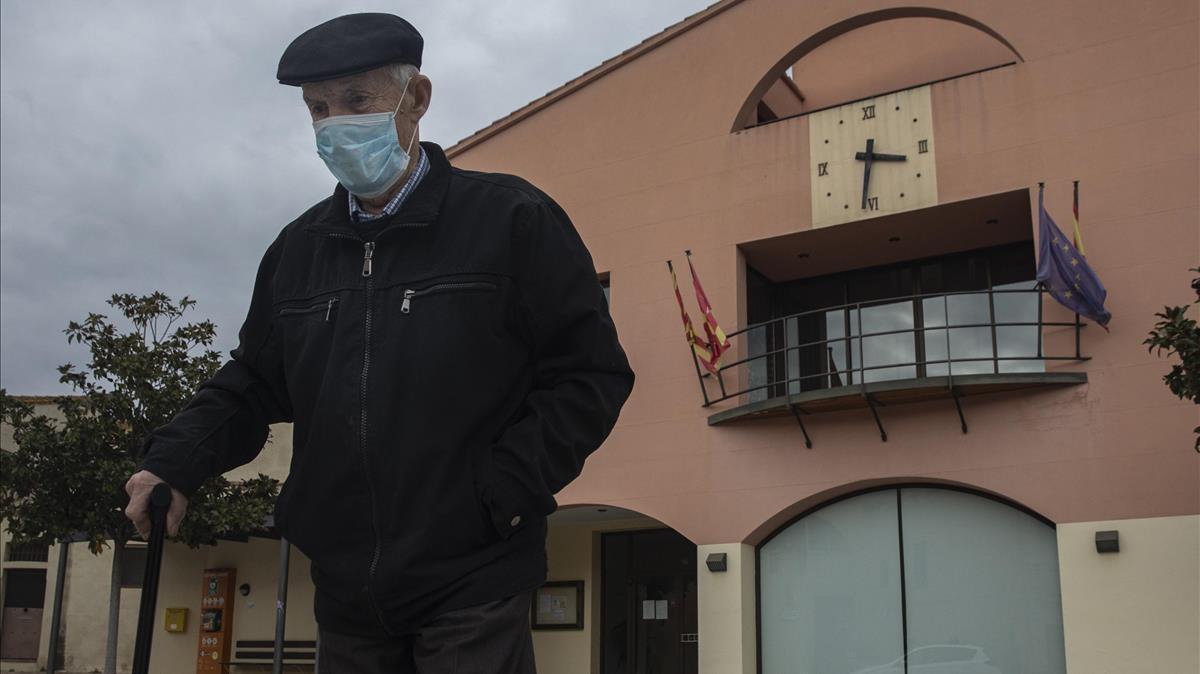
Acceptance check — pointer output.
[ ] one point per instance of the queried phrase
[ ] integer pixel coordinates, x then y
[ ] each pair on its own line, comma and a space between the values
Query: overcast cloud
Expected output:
147, 146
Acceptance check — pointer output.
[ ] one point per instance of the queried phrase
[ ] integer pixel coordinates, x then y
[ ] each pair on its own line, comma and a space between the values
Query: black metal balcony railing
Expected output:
778, 364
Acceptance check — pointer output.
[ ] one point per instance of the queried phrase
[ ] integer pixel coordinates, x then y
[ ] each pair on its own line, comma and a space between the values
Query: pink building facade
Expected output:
969, 436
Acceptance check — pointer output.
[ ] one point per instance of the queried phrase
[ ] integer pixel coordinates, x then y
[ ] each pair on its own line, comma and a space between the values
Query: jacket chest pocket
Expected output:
323, 309
306, 329
411, 295
449, 326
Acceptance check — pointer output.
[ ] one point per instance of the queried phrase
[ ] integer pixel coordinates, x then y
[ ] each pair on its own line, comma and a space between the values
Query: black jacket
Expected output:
446, 369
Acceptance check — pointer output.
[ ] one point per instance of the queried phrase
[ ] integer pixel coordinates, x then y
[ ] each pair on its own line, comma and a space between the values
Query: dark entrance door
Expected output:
648, 603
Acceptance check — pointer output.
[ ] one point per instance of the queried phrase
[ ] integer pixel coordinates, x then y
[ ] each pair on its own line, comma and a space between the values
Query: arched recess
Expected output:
803, 507
911, 577
746, 114
604, 515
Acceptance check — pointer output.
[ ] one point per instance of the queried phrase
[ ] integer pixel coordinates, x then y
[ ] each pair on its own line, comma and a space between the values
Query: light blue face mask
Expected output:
362, 151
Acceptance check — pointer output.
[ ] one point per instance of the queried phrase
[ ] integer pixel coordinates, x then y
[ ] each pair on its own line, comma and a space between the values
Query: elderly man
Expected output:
442, 344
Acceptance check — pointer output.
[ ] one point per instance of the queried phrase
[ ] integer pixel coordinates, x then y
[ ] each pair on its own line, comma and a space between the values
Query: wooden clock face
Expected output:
872, 157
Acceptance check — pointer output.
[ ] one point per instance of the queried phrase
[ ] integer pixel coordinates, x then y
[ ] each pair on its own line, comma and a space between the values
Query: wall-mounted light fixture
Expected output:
716, 562
1107, 541
244, 588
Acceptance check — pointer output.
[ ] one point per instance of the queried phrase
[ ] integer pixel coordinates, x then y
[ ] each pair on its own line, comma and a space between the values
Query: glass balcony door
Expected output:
957, 314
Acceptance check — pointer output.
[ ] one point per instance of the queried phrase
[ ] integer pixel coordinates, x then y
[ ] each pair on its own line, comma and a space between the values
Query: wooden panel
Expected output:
21, 634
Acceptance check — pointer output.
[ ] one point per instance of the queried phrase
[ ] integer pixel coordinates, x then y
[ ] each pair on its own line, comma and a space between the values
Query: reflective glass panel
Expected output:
1019, 343
970, 348
881, 350
831, 589
981, 586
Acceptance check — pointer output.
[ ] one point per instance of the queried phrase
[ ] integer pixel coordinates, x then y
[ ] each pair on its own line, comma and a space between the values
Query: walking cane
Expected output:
160, 502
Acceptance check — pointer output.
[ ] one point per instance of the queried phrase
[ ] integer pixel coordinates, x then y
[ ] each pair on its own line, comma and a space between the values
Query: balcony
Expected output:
907, 349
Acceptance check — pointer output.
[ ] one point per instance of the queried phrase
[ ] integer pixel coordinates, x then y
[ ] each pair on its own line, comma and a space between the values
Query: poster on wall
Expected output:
558, 604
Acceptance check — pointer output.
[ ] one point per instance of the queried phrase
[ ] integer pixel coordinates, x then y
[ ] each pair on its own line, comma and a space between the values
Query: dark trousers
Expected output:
490, 638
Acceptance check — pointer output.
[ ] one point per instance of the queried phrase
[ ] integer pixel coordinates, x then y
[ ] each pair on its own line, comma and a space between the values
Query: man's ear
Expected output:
422, 91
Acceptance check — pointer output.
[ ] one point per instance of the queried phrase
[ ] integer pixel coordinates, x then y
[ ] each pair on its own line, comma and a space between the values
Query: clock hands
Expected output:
871, 156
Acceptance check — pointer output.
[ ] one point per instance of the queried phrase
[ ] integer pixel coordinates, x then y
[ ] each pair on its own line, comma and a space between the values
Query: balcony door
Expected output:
919, 318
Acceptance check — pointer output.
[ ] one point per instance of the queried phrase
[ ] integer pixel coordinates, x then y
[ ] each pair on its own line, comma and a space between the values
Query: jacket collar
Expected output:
420, 209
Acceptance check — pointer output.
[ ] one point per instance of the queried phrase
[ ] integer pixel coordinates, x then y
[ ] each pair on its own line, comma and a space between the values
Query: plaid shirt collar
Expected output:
357, 214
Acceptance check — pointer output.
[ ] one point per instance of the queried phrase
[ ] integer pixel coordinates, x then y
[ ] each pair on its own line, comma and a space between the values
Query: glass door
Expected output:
648, 603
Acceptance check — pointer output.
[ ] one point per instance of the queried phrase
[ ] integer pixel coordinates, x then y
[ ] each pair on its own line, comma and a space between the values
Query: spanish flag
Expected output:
1078, 238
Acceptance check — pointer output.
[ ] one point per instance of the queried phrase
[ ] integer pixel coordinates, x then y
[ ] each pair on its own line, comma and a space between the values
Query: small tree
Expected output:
1178, 334
66, 476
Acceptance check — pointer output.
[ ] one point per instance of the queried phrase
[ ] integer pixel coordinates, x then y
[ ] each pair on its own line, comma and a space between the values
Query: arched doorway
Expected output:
911, 579
637, 576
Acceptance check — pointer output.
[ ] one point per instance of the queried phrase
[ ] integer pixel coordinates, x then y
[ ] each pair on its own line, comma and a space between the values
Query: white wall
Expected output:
256, 563
1137, 610
727, 611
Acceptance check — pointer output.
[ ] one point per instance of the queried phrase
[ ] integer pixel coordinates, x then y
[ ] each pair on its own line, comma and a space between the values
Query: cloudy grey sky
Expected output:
145, 145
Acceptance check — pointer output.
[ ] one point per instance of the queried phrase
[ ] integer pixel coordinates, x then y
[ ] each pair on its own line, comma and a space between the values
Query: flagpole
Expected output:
1039, 284
1041, 189
1078, 246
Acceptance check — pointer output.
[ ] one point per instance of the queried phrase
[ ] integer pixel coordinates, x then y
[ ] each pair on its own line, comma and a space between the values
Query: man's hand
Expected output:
138, 487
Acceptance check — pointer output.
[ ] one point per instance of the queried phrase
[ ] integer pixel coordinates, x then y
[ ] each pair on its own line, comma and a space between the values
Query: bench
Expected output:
255, 655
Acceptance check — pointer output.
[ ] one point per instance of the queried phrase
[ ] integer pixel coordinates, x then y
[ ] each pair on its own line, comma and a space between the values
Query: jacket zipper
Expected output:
368, 254
328, 306
410, 293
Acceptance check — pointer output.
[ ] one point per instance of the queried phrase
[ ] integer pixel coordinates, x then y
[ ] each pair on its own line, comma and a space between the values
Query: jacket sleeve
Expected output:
580, 374
226, 423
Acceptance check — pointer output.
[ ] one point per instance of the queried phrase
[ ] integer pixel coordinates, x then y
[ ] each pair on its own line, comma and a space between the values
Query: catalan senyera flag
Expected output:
717, 343
698, 344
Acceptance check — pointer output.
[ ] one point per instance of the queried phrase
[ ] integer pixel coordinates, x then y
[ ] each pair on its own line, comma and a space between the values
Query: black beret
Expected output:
349, 44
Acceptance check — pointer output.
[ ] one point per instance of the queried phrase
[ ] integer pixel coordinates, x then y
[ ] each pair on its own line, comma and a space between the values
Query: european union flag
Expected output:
1065, 272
